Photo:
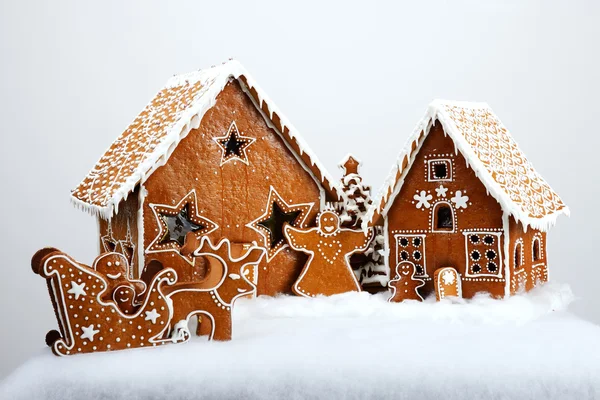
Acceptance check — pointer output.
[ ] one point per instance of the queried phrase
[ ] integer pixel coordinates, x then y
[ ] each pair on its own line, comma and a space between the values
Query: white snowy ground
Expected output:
352, 346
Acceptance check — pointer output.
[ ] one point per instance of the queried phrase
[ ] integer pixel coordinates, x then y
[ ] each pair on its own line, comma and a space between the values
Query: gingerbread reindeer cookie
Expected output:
405, 286
87, 322
229, 266
447, 283
328, 269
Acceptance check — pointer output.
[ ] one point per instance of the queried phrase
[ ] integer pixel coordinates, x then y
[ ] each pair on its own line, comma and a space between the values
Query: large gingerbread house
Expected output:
210, 154
463, 195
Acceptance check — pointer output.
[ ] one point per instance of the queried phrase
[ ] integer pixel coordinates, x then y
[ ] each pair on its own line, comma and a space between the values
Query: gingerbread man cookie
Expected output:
229, 266
87, 323
447, 283
125, 292
405, 286
328, 269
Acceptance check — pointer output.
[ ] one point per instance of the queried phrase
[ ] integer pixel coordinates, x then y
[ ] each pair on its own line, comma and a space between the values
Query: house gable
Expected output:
233, 190
151, 138
492, 153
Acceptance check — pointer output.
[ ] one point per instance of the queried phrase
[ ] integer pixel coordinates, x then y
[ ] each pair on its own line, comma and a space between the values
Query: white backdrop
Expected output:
352, 77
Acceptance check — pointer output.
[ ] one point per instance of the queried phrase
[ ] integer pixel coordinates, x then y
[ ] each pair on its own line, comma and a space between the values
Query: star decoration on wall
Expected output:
276, 214
234, 145
174, 223
441, 191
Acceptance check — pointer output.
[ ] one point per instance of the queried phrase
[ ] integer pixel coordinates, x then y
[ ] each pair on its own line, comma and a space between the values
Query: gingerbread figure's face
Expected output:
405, 270
236, 285
113, 266
329, 222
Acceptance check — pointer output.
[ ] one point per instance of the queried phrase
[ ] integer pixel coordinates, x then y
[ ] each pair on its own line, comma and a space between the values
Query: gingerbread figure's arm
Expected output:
298, 239
357, 239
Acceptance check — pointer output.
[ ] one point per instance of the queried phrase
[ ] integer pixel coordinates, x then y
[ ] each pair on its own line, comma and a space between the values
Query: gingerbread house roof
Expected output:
491, 152
153, 135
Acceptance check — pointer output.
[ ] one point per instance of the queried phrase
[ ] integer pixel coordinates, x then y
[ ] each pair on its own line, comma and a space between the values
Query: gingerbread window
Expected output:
483, 255
518, 254
443, 218
412, 248
439, 170
536, 248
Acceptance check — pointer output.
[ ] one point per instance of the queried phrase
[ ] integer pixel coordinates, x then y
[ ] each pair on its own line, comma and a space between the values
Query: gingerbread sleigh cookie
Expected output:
88, 322
227, 279
328, 269
405, 286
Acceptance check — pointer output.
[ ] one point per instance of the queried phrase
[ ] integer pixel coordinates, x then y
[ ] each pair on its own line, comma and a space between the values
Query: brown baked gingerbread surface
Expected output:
328, 269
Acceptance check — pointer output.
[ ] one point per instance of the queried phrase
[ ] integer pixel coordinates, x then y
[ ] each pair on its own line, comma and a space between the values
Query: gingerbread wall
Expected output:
528, 267
476, 220
123, 232
232, 193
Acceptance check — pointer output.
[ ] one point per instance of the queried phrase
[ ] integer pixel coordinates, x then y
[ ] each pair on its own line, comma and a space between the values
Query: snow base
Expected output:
352, 346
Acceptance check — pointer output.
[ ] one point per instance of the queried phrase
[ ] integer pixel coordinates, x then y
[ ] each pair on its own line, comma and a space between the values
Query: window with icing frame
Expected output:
442, 218
440, 170
483, 254
411, 247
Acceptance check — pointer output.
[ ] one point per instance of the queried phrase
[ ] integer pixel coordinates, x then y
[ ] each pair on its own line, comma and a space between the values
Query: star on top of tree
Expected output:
234, 145
271, 223
175, 222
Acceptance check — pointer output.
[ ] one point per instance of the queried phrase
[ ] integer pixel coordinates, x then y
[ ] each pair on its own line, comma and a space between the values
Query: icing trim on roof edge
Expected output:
395, 179
216, 79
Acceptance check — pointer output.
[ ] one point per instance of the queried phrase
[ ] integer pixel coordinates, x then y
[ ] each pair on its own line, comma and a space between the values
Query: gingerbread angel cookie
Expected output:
405, 286
328, 269
447, 283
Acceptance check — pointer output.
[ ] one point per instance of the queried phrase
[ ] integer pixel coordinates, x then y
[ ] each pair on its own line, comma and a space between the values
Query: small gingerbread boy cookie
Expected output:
328, 269
126, 293
405, 286
447, 283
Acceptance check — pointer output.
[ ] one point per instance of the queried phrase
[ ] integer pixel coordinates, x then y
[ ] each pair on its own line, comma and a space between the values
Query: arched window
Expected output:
519, 254
443, 217
536, 249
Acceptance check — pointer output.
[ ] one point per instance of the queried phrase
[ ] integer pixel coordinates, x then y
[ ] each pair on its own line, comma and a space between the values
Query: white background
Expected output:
352, 77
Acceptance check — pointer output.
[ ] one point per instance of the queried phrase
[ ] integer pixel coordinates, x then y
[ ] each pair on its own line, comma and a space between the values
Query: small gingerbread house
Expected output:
463, 195
210, 154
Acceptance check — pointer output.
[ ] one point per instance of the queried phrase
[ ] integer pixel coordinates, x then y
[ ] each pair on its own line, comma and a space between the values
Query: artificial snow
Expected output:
352, 346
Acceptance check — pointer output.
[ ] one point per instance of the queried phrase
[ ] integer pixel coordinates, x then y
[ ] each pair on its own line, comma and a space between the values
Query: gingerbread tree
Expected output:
368, 266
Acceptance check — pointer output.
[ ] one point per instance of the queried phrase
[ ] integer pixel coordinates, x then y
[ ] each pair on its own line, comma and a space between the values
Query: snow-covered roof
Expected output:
153, 135
491, 152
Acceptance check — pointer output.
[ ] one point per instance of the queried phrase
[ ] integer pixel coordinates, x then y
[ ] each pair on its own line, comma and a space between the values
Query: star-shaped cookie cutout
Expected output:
233, 145
276, 214
175, 222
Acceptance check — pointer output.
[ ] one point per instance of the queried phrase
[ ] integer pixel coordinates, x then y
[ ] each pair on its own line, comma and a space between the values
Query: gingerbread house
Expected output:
463, 195
210, 154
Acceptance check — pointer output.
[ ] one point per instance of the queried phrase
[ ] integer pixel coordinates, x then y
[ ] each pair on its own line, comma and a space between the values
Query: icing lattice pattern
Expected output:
501, 156
137, 143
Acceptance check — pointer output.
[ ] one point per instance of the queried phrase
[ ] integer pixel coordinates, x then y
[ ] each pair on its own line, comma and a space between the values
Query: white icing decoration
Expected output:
152, 316
77, 289
89, 332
